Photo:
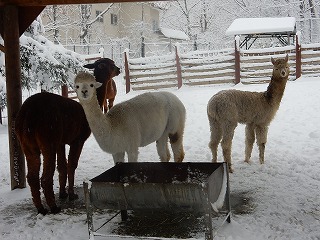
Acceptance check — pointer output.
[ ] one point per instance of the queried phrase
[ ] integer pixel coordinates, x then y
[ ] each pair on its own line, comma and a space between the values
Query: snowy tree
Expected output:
44, 62
58, 18
208, 20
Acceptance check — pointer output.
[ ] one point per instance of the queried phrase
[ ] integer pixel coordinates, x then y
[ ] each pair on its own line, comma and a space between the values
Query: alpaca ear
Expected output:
97, 84
89, 66
287, 58
273, 61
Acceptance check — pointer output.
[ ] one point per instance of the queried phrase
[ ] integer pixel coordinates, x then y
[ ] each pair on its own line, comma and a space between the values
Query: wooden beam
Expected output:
61, 2
14, 93
27, 15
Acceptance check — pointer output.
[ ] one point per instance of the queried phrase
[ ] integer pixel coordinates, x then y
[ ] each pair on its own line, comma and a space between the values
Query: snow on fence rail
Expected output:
219, 66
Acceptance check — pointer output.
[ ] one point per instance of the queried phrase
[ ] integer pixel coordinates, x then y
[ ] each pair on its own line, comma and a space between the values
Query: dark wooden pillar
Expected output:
298, 56
237, 60
14, 95
126, 65
64, 91
178, 65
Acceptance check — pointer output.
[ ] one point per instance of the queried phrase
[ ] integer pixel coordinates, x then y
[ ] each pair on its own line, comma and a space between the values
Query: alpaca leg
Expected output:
73, 159
226, 143
177, 146
162, 148
110, 103
49, 162
262, 133
62, 169
33, 164
216, 135
133, 155
118, 157
249, 141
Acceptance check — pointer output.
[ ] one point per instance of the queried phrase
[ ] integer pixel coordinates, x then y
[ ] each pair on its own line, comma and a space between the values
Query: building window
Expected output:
114, 19
100, 18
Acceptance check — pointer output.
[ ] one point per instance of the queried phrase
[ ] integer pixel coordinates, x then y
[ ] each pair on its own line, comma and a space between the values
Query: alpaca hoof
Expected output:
55, 210
63, 195
247, 161
43, 211
73, 196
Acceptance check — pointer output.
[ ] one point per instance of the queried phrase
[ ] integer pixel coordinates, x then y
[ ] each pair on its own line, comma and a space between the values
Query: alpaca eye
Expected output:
91, 85
77, 86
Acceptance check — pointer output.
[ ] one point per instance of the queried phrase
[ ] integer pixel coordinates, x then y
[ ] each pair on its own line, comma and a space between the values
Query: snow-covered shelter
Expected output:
173, 34
282, 28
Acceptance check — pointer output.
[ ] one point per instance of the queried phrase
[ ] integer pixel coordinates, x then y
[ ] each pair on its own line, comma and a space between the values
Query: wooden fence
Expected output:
222, 66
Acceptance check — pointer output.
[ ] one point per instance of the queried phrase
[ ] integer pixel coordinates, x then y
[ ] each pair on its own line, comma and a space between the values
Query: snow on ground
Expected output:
283, 193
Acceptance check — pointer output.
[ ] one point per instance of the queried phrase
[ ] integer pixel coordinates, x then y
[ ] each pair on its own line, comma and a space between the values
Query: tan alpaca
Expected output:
255, 109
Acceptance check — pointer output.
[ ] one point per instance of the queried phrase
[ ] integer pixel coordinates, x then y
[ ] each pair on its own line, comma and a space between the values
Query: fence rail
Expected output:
219, 66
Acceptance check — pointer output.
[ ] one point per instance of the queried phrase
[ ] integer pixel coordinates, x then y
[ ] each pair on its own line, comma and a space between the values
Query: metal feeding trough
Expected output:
195, 187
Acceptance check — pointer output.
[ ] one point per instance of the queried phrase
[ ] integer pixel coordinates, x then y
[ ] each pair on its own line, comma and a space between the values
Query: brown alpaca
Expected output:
255, 109
104, 71
44, 124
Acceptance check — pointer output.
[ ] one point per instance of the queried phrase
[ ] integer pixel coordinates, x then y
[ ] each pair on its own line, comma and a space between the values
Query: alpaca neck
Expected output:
275, 90
98, 121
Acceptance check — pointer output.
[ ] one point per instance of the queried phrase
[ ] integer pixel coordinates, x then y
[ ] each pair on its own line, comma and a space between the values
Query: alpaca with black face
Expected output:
104, 69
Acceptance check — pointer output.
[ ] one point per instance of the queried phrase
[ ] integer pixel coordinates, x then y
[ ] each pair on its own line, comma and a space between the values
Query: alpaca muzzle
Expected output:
84, 93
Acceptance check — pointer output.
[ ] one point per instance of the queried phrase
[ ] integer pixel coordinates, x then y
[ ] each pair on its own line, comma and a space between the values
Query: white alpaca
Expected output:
135, 123
255, 109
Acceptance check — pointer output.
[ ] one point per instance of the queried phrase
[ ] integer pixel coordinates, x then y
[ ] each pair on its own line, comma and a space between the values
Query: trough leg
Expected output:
88, 209
228, 205
208, 217
124, 215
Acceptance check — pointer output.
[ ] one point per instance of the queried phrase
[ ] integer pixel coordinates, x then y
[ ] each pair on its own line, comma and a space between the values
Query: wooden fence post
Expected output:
237, 59
178, 65
126, 65
64, 91
298, 55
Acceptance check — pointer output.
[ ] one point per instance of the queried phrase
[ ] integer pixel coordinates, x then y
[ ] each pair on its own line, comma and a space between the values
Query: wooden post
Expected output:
178, 65
64, 91
237, 60
14, 93
126, 65
298, 55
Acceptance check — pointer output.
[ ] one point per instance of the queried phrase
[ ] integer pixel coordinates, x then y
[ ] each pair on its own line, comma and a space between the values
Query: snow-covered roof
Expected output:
172, 33
242, 26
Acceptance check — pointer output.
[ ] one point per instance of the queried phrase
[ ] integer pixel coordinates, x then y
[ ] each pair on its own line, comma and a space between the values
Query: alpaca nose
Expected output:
84, 92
